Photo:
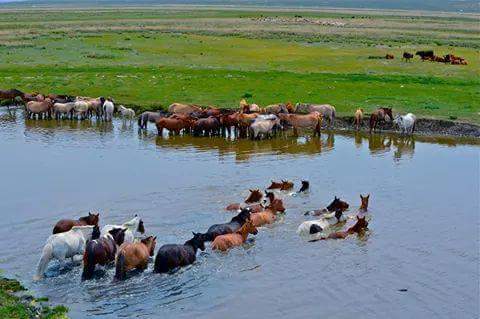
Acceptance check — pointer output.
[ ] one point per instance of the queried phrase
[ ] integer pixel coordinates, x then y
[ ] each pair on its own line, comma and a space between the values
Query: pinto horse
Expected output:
64, 225
227, 241
360, 225
101, 251
172, 256
227, 228
255, 196
134, 256
383, 114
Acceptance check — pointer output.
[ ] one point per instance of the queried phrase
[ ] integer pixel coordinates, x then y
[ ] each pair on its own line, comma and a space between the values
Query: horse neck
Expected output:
132, 225
243, 232
190, 244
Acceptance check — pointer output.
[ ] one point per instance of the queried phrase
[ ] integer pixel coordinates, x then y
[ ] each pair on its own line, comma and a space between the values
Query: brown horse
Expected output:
244, 122
268, 216
101, 251
10, 94
382, 114
180, 108
358, 118
134, 256
173, 124
364, 205
36, 97
275, 185
207, 126
255, 196
254, 208
275, 203
286, 185
228, 121
39, 108
312, 120
227, 241
361, 224
407, 56
389, 56
65, 225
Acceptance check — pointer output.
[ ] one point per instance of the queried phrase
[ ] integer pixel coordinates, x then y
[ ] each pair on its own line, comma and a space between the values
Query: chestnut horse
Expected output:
227, 228
364, 205
180, 108
268, 216
255, 196
383, 114
286, 185
101, 251
275, 203
134, 256
207, 126
227, 241
65, 225
173, 124
358, 118
275, 185
228, 121
312, 120
172, 256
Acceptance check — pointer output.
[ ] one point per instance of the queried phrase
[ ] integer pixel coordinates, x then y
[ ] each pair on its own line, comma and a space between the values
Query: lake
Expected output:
423, 237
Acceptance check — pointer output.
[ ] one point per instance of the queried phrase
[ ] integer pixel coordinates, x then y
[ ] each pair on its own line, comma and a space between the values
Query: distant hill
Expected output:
433, 5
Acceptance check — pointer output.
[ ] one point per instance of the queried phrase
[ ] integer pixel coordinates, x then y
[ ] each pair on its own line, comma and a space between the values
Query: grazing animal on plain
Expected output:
63, 109
207, 126
65, 245
382, 114
101, 251
425, 55
264, 127
406, 123
312, 121
305, 187
179, 108
108, 109
320, 225
126, 113
255, 196
10, 94
407, 56
132, 227
151, 117
358, 118
172, 256
39, 108
134, 256
364, 202
65, 225
228, 241
227, 228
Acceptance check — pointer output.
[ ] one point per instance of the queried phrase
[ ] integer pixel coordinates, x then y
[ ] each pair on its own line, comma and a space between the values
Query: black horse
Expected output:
172, 256
305, 187
227, 228
425, 55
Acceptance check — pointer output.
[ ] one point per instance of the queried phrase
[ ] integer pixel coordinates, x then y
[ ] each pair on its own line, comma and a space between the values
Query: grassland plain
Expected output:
151, 57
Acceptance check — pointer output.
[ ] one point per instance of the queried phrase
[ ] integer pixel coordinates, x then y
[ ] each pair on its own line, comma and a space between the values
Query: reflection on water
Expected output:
179, 184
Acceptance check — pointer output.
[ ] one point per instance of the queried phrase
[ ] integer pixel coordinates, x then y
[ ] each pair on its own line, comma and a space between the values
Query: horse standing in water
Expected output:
133, 227
227, 228
172, 256
134, 256
383, 114
64, 225
101, 251
147, 117
336, 205
227, 241
358, 118
255, 196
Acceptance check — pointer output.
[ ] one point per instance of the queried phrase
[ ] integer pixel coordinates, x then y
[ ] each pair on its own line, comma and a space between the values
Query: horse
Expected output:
312, 120
275, 185
255, 196
286, 185
39, 108
133, 227
65, 225
275, 203
63, 109
172, 256
264, 127
108, 109
305, 187
382, 114
267, 216
326, 110
425, 55
244, 122
254, 208
276, 108
179, 108
10, 94
322, 224
227, 228
336, 205
389, 56
227, 241
80, 108
61, 98
364, 203
227, 121
406, 123
101, 251
207, 126
151, 117
173, 125
96, 106
407, 56
65, 245
126, 112
360, 225
36, 97
134, 256
358, 118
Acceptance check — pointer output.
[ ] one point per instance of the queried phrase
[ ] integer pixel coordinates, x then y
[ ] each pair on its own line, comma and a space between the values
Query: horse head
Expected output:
118, 235
91, 219
197, 242
364, 200
337, 204
305, 186
255, 196
150, 242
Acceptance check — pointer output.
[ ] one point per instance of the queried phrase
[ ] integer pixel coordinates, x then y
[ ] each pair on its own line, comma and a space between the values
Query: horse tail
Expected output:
88, 261
120, 272
47, 254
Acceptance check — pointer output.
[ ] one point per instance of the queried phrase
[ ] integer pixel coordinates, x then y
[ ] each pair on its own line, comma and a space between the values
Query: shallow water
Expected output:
424, 233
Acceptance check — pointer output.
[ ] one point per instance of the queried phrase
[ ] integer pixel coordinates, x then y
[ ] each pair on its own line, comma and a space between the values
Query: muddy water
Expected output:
423, 237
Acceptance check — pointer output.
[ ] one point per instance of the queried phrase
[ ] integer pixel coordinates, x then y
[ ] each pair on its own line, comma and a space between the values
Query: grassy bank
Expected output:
14, 306
153, 57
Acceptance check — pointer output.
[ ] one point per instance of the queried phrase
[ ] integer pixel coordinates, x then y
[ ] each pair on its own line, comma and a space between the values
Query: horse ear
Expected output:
368, 196
155, 238
250, 190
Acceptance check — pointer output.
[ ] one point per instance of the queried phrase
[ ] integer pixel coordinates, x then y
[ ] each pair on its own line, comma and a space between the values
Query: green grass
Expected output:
151, 58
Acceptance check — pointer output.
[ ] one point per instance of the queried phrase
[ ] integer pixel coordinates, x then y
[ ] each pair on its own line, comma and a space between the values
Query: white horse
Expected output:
81, 108
65, 245
108, 109
264, 126
321, 225
406, 123
133, 227
126, 112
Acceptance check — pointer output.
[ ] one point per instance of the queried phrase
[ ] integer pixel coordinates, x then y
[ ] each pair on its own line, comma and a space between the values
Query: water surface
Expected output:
423, 237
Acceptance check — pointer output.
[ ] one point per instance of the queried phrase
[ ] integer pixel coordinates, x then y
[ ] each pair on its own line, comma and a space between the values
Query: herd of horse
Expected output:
427, 55
250, 120
128, 248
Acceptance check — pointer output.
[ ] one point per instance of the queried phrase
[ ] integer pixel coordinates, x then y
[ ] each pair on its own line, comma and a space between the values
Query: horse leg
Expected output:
295, 131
